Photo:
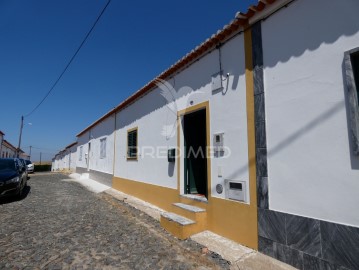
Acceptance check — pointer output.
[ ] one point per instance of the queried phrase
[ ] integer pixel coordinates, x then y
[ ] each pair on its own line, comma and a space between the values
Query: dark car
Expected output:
23, 162
12, 177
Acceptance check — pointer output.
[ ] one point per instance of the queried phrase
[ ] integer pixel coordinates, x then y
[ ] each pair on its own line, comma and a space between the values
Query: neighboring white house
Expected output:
65, 160
54, 163
253, 135
23, 155
7, 149
1, 140
309, 164
72, 156
95, 150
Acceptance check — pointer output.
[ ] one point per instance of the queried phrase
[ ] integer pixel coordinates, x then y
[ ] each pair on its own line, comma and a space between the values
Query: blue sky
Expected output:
133, 43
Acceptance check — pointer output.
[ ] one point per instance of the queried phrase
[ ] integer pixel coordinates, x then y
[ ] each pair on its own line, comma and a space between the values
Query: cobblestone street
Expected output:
61, 225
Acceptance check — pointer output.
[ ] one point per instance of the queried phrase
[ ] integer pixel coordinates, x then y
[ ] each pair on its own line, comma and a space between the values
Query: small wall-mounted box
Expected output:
171, 155
218, 142
236, 190
217, 81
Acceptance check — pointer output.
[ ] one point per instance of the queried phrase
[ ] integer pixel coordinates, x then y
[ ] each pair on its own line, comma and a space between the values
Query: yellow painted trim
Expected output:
231, 219
251, 132
114, 146
180, 114
162, 197
128, 131
178, 157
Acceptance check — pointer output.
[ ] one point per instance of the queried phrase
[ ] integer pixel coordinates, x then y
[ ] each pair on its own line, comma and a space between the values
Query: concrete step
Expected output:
190, 208
195, 213
179, 226
194, 200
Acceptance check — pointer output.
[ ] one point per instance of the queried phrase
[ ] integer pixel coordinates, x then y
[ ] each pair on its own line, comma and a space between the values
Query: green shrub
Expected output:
42, 168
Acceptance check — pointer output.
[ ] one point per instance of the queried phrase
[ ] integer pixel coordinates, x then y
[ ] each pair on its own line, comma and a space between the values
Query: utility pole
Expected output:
30, 152
19, 145
40, 158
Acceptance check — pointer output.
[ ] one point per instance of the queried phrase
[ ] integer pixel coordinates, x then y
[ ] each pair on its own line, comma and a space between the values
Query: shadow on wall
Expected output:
95, 133
300, 132
186, 83
324, 13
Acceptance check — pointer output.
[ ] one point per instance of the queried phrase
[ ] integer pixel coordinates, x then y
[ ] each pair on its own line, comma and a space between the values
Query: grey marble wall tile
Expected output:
271, 225
258, 80
259, 108
257, 50
313, 263
304, 234
261, 138
288, 255
262, 192
261, 159
265, 246
340, 244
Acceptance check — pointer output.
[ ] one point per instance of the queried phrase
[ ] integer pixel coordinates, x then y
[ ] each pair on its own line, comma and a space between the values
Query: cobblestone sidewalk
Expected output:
61, 225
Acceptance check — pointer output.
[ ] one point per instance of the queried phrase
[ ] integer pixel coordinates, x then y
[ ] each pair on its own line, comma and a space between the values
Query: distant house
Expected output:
1, 140
23, 155
95, 150
71, 156
8, 150
65, 160
253, 135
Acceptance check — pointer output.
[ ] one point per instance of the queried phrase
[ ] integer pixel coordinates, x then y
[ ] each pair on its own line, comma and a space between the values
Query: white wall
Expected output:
73, 157
311, 169
104, 129
1, 140
227, 114
82, 141
8, 152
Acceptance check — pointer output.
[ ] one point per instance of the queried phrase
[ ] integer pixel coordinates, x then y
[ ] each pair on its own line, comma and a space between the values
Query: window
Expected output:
132, 144
103, 148
80, 155
351, 62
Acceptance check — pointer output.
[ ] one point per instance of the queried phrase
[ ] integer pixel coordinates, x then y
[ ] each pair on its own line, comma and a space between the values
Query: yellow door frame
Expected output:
180, 114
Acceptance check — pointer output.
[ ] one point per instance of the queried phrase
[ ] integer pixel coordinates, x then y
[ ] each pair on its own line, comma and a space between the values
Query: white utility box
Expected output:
236, 190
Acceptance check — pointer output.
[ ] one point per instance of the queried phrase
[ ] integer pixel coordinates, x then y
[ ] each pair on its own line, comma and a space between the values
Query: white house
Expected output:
1, 140
65, 160
7, 149
307, 99
253, 135
95, 150
70, 156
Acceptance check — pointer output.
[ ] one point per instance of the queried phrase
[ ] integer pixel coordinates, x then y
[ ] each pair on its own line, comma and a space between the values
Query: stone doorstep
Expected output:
177, 218
179, 226
197, 214
186, 221
190, 208
238, 255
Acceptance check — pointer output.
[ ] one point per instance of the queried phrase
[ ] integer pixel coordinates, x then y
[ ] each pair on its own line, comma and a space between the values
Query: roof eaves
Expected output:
241, 20
70, 145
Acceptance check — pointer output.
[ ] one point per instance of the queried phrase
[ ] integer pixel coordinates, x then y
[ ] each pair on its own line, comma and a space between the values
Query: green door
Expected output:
195, 159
